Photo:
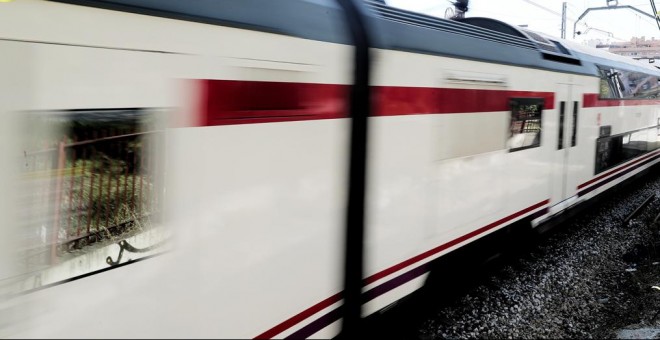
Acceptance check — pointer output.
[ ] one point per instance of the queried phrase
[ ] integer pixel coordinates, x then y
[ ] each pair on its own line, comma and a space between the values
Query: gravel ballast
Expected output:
592, 278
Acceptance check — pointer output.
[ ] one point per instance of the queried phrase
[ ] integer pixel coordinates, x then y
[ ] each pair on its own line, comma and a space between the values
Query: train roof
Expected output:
491, 40
481, 39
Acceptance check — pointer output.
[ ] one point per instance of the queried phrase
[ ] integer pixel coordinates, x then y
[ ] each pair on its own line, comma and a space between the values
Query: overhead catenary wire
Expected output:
546, 9
655, 13
587, 27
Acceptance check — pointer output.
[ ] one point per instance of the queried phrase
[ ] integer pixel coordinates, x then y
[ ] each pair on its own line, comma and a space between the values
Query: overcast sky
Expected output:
545, 16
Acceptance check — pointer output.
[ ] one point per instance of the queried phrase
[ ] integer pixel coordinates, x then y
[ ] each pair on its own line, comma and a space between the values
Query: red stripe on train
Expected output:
283, 326
592, 100
452, 243
396, 101
618, 169
228, 102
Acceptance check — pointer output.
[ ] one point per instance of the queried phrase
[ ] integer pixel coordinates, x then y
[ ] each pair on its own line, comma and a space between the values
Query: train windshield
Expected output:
624, 84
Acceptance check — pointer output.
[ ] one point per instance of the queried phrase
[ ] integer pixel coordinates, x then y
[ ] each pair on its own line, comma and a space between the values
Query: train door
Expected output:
564, 153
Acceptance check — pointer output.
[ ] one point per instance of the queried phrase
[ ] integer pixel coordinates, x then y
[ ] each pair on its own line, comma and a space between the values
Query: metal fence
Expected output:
80, 192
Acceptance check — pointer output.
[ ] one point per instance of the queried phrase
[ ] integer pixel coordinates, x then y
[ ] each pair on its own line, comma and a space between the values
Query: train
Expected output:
180, 169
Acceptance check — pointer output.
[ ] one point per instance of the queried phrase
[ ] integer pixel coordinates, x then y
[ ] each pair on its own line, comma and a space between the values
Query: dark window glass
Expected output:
525, 127
560, 139
575, 122
614, 150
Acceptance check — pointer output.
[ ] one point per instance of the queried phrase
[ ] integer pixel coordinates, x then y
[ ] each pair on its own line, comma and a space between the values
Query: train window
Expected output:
647, 87
607, 89
623, 84
614, 150
525, 126
90, 180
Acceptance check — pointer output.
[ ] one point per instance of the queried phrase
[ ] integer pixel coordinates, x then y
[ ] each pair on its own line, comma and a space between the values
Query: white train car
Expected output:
475, 126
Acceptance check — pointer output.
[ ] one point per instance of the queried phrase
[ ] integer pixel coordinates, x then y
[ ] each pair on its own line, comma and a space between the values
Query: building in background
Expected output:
637, 48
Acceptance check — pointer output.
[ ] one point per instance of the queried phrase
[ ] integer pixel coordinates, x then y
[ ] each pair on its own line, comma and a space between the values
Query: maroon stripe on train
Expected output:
613, 171
390, 285
396, 101
592, 100
451, 243
619, 174
283, 326
229, 102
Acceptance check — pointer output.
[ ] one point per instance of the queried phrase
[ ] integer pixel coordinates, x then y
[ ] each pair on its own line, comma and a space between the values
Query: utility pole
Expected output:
563, 20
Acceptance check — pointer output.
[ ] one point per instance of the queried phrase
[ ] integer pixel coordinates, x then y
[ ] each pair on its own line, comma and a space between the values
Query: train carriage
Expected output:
236, 228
